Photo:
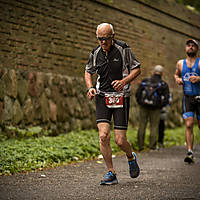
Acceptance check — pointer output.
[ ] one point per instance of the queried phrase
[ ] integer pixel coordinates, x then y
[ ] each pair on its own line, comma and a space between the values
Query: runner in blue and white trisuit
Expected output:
188, 74
116, 67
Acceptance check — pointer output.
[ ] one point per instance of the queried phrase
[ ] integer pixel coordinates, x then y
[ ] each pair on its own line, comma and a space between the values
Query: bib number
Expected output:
114, 101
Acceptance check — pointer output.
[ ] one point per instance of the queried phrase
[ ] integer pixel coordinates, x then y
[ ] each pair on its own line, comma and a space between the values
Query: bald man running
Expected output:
116, 66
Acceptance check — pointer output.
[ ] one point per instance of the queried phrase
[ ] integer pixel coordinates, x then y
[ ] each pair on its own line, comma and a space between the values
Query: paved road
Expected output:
164, 176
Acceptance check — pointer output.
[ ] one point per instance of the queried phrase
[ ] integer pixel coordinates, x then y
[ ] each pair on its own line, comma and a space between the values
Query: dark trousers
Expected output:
161, 131
152, 116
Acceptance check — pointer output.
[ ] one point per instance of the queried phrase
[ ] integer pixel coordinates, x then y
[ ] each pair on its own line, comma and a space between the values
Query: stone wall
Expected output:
45, 45
53, 101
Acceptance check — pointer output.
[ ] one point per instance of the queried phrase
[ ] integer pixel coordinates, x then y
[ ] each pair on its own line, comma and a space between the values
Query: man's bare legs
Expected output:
120, 139
189, 138
104, 139
189, 135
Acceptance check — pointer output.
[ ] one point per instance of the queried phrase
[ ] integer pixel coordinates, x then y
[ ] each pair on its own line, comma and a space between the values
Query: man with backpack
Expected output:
151, 95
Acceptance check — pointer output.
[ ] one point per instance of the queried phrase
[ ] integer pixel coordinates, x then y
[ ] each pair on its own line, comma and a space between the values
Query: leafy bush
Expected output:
37, 153
18, 133
20, 155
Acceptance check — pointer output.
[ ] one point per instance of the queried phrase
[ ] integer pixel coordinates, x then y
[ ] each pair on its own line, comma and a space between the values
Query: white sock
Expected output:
190, 151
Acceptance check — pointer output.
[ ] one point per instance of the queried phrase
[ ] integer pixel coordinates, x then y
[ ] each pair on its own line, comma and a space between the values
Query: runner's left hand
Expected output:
118, 85
194, 79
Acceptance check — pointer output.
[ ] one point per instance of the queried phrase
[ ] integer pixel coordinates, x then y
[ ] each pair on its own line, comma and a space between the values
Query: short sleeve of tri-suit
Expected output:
90, 68
130, 60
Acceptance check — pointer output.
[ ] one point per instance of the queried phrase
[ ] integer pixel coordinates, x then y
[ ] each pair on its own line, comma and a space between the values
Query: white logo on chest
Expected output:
115, 59
188, 74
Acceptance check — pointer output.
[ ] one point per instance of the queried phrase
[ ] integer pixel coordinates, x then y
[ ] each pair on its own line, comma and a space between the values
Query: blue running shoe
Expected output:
134, 168
109, 179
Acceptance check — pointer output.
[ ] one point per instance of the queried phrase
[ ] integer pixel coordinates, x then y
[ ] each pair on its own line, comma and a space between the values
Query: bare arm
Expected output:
177, 75
119, 84
88, 81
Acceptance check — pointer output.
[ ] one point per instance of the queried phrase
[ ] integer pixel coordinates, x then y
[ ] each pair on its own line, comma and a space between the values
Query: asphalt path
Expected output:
163, 175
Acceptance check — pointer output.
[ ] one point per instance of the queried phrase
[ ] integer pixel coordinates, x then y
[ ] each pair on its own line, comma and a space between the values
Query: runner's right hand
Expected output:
179, 81
91, 93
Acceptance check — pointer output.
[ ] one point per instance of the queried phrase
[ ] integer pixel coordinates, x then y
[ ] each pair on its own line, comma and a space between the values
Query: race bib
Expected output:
114, 100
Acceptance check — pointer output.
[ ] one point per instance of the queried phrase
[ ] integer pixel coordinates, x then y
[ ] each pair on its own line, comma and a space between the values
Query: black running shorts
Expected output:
120, 115
190, 107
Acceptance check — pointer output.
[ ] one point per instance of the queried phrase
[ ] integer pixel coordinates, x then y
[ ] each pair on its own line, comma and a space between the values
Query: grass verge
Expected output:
22, 155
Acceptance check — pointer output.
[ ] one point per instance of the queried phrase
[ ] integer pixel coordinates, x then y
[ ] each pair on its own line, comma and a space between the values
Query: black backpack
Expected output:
152, 94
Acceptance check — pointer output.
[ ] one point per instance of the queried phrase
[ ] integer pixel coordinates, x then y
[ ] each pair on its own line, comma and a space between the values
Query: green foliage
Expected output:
194, 3
173, 137
109, 1
16, 132
177, 136
37, 153
42, 152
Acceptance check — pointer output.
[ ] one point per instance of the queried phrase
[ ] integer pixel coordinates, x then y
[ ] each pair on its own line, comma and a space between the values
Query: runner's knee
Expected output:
189, 122
120, 141
104, 137
189, 126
